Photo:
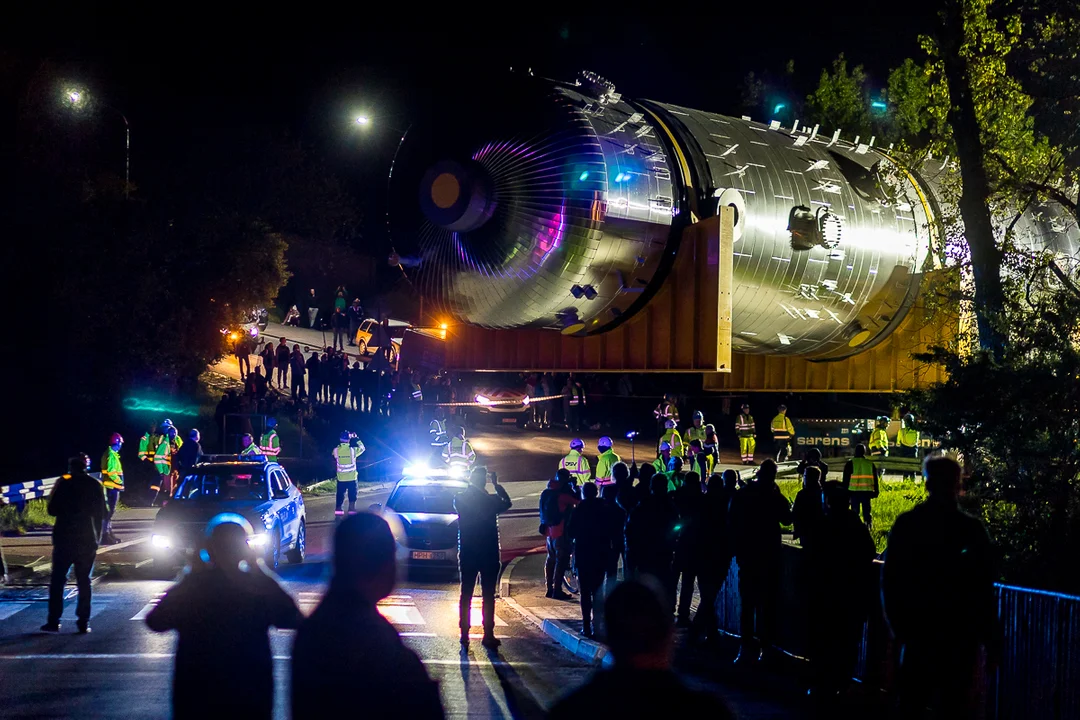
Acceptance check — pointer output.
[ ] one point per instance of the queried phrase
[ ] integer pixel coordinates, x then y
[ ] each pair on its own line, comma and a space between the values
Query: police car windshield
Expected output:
240, 484
423, 499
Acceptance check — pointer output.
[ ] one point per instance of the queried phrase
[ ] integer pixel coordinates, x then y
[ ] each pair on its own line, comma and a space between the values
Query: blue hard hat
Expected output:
346, 436
271, 422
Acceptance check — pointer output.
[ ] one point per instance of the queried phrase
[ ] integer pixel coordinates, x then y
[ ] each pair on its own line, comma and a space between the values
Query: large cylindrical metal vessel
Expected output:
563, 205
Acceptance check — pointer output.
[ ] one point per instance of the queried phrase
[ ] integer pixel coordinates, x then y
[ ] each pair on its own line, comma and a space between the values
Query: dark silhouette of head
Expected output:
658, 484
478, 476
620, 473
766, 472
640, 631
731, 479
590, 491
645, 474
364, 557
676, 465
562, 477
228, 546
943, 475
812, 478
692, 482
813, 455
860, 450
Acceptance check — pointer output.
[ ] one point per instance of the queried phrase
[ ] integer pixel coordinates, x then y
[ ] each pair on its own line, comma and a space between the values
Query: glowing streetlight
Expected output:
74, 96
363, 120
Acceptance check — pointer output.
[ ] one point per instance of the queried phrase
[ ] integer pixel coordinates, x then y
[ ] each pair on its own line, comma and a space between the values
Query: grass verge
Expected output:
323, 487
34, 517
896, 496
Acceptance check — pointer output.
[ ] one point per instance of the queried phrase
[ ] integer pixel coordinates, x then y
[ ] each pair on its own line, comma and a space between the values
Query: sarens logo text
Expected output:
833, 441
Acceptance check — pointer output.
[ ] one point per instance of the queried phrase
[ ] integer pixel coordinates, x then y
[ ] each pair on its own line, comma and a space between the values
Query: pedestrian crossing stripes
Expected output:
9, 609
141, 615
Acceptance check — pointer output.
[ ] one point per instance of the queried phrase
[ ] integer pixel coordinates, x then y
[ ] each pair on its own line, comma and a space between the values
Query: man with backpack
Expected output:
556, 504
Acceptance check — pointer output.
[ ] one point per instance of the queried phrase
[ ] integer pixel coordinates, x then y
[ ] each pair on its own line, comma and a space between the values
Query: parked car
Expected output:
255, 488
368, 333
420, 511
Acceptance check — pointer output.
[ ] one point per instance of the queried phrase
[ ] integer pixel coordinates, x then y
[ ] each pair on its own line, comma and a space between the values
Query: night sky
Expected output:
198, 70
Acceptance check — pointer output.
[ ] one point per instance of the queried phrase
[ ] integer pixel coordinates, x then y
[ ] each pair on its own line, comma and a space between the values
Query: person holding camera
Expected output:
478, 549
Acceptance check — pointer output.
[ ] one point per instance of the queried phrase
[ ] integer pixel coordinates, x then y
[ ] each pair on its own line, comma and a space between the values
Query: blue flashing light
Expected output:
778, 108
584, 176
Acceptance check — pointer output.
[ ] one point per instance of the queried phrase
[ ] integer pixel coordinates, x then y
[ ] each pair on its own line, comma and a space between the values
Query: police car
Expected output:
253, 487
420, 511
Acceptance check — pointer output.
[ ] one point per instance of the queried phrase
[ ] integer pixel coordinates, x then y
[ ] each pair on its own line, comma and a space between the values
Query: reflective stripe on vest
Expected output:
862, 475
879, 439
346, 460
270, 444
576, 468
780, 429
456, 449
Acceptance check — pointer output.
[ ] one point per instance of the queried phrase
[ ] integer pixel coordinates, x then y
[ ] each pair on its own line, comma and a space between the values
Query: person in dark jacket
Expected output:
296, 367
281, 361
269, 360
556, 505
222, 612
356, 316
689, 548
189, 454
589, 528
757, 512
339, 322
77, 502
620, 474
938, 591
642, 641
812, 458
314, 376
715, 551
841, 563
347, 650
651, 533
807, 510
478, 549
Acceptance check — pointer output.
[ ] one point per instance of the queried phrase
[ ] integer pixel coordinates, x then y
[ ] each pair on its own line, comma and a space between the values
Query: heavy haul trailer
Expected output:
565, 227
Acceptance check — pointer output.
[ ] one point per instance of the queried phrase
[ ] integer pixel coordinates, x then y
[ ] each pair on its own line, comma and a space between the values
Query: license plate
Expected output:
426, 555
509, 419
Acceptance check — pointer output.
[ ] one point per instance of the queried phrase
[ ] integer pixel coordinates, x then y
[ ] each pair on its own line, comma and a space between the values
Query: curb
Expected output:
579, 645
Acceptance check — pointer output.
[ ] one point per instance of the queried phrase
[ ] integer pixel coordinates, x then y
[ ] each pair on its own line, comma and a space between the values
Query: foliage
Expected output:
1020, 441
841, 100
34, 516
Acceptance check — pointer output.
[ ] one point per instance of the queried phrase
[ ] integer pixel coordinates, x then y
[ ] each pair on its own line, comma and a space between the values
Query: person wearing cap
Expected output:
662, 464
605, 461
696, 431
189, 455
672, 437
345, 455
879, 438
270, 443
747, 431
78, 504
112, 478
782, 432
575, 463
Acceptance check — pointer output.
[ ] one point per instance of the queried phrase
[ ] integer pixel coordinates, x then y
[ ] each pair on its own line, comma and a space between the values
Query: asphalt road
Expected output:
122, 670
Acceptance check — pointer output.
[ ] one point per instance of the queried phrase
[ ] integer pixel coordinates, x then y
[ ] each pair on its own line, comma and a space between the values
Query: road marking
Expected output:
417, 634
476, 614
9, 609
277, 658
141, 615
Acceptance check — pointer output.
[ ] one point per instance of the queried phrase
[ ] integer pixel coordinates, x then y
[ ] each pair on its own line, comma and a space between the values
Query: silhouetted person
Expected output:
689, 547
620, 474
812, 458
347, 653
651, 534
556, 505
841, 565
641, 637
757, 511
937, 588
478, 550
222, 612
296, 370
77, 502
189, 454
715, 550
281, 361
589, 528
861, 480
807, 510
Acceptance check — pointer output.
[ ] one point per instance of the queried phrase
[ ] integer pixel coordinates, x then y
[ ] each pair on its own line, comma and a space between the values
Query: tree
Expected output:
841, 99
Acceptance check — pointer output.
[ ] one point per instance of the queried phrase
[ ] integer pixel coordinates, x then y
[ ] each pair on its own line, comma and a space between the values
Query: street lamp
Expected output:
76, 98
363, 120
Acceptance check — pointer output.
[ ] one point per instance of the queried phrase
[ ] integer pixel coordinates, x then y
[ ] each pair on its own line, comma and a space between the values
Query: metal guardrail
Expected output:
1039, 674
20, 493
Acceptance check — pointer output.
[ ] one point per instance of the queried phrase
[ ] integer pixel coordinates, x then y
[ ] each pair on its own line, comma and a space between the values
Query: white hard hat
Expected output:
605, 442
669, 424
665, 446
577, 444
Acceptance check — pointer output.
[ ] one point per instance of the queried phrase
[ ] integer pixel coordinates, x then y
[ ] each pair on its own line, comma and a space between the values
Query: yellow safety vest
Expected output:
879, 440
694, 433
459, 451
908, 437
270, 444
672, 438
604, 464
345, 456
744, 426
250, 450
577, 464
862, 475
782, 429
112, 472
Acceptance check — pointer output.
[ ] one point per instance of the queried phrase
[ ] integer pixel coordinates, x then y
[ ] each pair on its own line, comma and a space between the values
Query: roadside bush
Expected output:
34, 516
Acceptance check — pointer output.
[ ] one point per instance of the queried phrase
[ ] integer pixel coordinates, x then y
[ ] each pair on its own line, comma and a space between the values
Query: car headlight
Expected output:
258, 540
457, 472
417, 470
482, 400
163, 542
525, 400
